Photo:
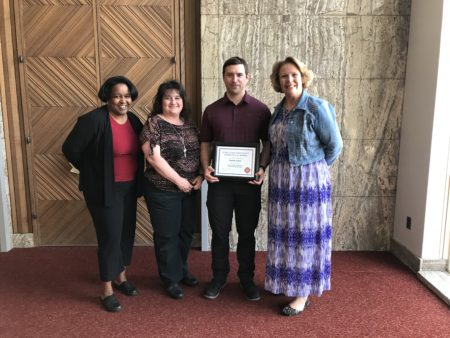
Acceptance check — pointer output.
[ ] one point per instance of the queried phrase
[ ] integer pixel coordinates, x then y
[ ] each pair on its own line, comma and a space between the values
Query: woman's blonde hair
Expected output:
307, 75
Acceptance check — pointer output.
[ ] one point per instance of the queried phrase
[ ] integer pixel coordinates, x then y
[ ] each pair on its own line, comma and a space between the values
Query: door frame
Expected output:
16, 164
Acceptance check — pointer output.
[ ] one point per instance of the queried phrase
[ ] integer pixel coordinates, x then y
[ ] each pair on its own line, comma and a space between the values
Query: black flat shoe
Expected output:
289, 311
126, 288
189, 280
175, 291
111, 304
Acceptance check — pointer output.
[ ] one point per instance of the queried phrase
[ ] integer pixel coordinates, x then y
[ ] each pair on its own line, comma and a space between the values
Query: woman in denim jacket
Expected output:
305, 141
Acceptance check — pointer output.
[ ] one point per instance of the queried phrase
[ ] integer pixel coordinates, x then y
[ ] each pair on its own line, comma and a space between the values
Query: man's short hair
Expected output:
235, 60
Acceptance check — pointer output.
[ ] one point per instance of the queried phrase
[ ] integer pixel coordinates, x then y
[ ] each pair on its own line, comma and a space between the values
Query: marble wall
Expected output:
357, 48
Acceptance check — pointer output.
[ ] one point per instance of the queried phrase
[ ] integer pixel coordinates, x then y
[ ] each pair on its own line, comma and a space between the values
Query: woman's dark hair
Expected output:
235, 60
104, 93
165, 86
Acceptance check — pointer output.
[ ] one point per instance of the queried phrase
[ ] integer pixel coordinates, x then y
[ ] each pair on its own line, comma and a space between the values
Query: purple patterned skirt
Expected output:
299, 230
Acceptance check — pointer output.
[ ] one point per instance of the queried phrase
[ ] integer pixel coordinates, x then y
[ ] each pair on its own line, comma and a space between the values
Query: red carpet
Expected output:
52, 292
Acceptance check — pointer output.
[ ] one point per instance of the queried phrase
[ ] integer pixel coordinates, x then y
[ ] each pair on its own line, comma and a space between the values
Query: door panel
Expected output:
137, 29
70, 47
61, 82
49, 140
49, 169
64, 222
58, 28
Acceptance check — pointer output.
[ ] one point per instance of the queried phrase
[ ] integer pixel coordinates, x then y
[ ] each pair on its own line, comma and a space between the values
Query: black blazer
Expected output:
89, 148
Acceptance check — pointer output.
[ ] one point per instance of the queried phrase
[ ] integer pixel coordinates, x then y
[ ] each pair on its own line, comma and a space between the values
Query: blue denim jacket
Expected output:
312, 132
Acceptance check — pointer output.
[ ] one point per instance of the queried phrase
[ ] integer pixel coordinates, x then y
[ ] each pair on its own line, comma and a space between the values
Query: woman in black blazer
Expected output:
104, 147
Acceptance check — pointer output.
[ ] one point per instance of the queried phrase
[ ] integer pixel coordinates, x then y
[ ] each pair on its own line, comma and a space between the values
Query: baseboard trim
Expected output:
405, 256
416, 264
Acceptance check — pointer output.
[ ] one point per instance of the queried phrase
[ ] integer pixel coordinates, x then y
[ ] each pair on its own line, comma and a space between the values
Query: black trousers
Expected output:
115, 227
245, 200
172, 215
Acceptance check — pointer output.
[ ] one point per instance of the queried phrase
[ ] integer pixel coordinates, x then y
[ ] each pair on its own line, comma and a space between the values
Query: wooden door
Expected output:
67, 49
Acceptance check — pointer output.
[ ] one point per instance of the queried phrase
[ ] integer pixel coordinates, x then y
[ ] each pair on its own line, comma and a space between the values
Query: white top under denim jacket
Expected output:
312, 131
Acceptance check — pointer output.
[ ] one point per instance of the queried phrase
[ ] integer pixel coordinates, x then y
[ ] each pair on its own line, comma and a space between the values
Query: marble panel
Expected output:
373, 109
325, 46
368, 168
326, 7
23, 240
239, 36
209, 7
391, 7
279, 36
334, 172
212, 89
283, 7
295, 34
378, 7
210, 46
241, 7
307, 7
358, 51
362, 223
376, 47
359, 7
261, 88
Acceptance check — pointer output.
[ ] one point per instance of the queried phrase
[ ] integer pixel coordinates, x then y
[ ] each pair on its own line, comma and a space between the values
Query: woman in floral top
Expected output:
171, 148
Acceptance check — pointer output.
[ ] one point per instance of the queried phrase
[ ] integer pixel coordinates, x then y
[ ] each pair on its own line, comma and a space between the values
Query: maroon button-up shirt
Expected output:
247, 122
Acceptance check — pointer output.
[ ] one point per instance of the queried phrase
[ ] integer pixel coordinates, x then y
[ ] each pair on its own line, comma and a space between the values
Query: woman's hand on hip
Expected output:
184, 185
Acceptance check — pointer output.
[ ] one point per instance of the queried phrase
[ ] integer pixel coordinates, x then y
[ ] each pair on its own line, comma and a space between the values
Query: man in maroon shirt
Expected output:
237, 117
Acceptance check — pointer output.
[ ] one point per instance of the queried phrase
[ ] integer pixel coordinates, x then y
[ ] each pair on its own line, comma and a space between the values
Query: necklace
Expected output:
181, 138
179, 135
291, 105
289, 108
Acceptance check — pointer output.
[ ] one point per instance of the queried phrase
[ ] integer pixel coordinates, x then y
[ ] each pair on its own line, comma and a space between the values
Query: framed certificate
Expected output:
236, 161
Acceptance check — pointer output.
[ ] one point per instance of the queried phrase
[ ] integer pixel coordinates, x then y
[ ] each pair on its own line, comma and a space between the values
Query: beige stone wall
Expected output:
357, 48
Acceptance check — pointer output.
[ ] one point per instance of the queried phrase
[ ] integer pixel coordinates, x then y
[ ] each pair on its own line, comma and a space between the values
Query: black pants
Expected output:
172, 216
115, 226
245, 200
